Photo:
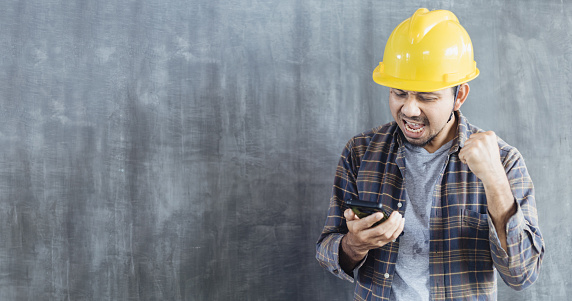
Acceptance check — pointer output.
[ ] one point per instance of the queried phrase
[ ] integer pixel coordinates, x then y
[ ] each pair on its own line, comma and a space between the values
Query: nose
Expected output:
411, 106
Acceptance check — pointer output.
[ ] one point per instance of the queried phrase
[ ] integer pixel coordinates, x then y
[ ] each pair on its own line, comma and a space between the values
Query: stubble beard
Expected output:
424, 142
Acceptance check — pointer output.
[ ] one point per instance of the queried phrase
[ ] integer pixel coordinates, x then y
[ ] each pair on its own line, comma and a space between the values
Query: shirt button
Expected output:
399, 205
393, 240
386, 275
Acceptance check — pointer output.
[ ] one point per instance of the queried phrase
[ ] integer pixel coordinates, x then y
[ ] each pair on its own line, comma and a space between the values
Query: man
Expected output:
462, 197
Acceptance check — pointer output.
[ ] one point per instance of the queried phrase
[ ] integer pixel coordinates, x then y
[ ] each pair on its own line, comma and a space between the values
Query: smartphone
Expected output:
365, 208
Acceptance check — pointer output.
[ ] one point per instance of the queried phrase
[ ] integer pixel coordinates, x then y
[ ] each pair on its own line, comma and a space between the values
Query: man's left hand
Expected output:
481, 153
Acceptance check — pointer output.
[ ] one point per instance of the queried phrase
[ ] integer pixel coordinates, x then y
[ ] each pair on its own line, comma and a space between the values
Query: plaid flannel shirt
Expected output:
464, 247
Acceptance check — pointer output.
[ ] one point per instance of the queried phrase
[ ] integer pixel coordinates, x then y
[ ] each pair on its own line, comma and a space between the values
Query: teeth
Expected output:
412, 130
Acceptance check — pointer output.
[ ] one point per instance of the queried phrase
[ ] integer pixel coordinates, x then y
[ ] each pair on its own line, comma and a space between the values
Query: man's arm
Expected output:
500, 200
346, 239
481, 153
328, 245
516, 244
501, 205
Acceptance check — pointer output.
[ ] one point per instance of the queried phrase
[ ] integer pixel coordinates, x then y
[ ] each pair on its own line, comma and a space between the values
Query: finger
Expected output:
469, 142
395, 223
386, 229
399, 229
462, 156
368, 221
469, 152
356, 224
350, 215
465, 153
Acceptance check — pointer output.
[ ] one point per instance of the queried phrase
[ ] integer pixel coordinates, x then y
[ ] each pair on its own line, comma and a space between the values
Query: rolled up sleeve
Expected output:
519, 265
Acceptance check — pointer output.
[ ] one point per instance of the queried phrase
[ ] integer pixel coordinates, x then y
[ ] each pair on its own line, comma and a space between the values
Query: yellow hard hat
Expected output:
428, 52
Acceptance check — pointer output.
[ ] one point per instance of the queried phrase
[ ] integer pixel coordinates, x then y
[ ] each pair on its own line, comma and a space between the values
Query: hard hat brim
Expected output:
418, 86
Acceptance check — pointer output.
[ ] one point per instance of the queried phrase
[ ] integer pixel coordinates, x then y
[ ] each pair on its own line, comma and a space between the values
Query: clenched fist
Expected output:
481, 153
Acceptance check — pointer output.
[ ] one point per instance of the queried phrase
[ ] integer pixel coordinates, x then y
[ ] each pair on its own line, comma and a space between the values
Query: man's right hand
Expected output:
361, 237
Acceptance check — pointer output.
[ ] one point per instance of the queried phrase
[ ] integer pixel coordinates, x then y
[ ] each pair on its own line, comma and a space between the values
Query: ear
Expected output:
462, 95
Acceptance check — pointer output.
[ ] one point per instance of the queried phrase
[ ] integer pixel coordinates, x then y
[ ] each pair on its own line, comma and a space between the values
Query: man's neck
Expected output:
447, 134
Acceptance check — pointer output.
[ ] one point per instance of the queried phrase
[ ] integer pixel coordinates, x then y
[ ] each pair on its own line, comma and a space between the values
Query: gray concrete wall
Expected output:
185, 150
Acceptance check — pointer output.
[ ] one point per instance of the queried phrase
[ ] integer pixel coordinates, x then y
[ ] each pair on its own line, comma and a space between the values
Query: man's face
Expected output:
422, 116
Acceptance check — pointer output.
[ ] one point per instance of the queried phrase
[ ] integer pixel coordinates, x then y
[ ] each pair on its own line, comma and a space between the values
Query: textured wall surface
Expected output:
185, 150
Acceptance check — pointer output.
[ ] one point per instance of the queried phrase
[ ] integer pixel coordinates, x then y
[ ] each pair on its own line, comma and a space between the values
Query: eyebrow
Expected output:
421, 93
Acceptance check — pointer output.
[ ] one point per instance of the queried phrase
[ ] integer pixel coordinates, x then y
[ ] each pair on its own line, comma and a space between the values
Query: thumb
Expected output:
372, 219
350, 215
462, 156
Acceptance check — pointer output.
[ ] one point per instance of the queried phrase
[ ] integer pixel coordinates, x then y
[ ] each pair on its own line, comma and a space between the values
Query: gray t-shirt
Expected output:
422, 169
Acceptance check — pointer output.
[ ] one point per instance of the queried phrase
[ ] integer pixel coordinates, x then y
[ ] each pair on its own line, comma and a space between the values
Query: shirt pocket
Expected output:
475, 241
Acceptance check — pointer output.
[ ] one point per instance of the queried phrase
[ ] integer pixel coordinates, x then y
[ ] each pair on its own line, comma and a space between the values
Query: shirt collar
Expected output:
463, 132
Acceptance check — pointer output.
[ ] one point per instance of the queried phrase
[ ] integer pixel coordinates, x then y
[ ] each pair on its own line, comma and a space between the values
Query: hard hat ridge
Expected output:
423, 21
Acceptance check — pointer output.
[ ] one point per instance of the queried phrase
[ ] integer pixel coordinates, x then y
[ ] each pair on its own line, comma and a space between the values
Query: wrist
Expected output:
500, 200
351, 250
496, 181
502, 217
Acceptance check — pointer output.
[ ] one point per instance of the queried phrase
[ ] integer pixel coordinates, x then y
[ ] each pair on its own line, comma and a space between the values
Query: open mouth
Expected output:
413, 127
